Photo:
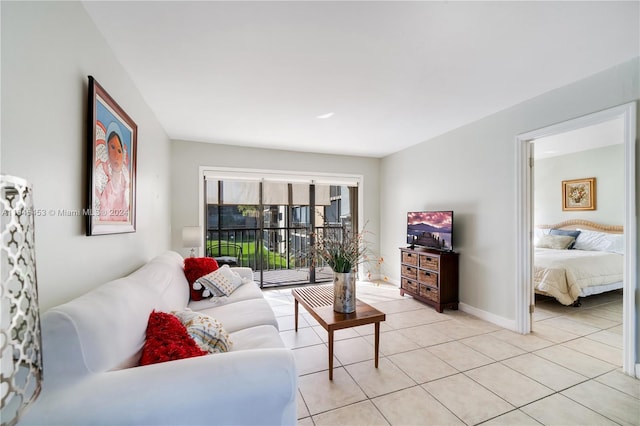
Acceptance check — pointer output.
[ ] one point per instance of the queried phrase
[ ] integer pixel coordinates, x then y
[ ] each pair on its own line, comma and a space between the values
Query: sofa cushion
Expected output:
207, 332
244, 314
194, 268
221, 282
167, 340
259, 337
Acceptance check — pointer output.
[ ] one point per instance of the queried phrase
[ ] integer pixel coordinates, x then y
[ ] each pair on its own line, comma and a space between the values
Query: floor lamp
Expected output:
20, 340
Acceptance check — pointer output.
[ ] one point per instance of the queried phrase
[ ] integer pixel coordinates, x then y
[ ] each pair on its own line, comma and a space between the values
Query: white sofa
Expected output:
92, 345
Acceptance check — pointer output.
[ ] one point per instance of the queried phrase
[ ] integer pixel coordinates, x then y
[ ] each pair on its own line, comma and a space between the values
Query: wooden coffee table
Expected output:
318, 301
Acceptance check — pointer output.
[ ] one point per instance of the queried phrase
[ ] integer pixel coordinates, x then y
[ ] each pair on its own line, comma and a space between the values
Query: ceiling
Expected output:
390, 74
610, 132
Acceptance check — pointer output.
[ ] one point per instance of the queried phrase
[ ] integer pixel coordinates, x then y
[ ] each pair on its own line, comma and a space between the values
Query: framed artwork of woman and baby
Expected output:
111, 165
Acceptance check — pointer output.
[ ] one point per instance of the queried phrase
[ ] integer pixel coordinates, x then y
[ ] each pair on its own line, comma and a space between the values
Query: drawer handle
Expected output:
427, 274
429, 259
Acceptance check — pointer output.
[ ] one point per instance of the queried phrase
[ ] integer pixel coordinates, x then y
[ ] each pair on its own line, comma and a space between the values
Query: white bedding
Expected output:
567, 274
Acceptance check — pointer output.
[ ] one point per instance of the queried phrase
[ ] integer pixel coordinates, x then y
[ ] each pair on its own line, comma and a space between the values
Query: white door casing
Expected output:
524, 222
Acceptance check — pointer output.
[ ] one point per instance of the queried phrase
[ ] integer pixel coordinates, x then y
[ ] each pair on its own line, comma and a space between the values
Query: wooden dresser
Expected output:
430, 276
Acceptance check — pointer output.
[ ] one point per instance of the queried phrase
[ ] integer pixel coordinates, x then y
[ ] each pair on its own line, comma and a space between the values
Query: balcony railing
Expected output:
269, 249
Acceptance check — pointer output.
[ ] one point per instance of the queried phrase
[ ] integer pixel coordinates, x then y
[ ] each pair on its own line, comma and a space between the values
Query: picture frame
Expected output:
579, 194
111, 165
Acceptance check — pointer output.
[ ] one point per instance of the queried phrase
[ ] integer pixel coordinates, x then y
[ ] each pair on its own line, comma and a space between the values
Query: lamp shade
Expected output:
20, 341
191, 236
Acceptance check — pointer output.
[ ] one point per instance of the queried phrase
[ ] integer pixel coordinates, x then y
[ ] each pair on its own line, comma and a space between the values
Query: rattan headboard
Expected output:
585, 224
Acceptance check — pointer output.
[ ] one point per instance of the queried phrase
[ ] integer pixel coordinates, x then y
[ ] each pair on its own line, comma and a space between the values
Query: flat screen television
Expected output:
430, 229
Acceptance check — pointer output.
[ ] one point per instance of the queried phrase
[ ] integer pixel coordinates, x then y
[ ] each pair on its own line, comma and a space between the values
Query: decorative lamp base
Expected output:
344, 292
20, 339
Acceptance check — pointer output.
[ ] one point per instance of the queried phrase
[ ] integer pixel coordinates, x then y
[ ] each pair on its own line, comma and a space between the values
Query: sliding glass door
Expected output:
270, 226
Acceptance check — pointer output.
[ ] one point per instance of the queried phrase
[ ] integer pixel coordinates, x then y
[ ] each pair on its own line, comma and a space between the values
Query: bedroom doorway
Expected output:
527, 216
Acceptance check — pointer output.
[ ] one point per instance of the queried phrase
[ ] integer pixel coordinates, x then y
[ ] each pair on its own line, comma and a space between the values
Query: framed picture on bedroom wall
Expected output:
111, 165
579, 194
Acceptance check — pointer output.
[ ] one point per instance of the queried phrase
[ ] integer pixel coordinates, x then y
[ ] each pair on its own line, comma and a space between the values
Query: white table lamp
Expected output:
192, 237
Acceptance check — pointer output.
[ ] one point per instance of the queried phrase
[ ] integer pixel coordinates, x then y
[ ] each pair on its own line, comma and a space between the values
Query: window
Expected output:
270, 220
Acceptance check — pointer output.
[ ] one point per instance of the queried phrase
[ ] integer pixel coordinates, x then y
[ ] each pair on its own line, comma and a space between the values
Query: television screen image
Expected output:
430, 229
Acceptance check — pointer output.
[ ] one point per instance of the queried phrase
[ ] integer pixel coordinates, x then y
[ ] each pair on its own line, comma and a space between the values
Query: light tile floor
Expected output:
454, 369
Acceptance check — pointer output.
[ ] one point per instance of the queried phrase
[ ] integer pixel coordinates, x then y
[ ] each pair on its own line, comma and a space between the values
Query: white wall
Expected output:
471, 170
48, 50
187, 157
605, 164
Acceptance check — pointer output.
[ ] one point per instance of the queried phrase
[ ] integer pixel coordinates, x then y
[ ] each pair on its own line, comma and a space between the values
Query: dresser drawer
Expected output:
411, 286
430, 262
428, 277
410, 258
430, 293
411, 272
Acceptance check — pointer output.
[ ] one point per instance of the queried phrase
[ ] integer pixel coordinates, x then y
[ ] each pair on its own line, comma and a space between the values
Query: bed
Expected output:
577, 258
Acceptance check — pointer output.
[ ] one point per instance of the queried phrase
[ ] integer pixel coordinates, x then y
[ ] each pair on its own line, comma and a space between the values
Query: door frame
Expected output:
524, 223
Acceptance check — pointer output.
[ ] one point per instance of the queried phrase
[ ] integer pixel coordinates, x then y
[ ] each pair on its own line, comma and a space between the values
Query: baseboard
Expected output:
483, 315
488, 316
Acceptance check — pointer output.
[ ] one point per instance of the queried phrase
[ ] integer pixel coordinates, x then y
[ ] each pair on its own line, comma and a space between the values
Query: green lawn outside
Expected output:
249, 257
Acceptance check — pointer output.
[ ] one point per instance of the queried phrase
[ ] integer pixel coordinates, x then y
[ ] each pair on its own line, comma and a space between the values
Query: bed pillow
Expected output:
538, 233
207, 332
573, 234
167, 340
221, 282
617, 243
194, 268
600, 241
558, 242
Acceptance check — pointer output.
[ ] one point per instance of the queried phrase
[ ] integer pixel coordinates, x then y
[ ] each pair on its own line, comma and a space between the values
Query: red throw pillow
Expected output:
196, 267
167, 340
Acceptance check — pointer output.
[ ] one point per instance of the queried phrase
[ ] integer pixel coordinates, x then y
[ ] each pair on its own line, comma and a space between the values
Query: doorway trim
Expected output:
524, 222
